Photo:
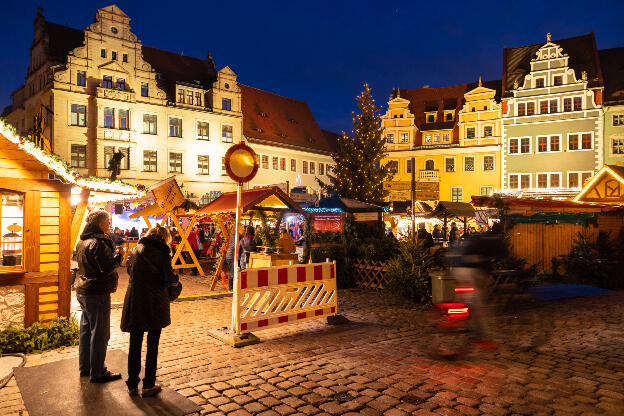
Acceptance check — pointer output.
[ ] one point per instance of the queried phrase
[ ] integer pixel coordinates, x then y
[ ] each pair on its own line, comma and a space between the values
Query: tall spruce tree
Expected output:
358, 173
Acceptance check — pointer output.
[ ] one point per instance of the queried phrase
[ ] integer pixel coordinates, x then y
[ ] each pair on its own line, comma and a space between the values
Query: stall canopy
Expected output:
271, 199
347, 205
446, 209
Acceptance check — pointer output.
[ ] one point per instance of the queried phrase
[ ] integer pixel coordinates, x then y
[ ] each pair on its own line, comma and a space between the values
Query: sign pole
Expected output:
236, 282
413, 195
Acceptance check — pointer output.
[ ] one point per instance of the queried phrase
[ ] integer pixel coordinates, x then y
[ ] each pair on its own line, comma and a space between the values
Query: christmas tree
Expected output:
357, 173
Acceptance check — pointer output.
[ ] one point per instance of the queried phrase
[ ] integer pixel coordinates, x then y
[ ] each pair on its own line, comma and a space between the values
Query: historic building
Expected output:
101, 91
552, 114
453, 134
612, 63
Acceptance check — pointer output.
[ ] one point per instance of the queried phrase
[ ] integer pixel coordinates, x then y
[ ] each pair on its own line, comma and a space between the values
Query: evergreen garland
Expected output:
357, 172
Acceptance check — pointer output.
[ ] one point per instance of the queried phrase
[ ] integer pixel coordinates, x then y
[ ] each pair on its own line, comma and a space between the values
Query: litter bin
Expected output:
442, 286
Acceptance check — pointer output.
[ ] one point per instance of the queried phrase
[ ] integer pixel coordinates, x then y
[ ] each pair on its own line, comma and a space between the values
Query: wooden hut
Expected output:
36, 230
331, 213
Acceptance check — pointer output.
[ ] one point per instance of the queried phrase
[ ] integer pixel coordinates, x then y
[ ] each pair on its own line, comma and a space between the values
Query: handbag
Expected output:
174, 291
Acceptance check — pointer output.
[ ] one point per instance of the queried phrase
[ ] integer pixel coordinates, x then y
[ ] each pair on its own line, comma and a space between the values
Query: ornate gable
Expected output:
606, 187
113, 66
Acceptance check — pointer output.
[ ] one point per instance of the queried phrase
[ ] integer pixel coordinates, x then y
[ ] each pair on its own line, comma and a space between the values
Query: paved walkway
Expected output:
378, 360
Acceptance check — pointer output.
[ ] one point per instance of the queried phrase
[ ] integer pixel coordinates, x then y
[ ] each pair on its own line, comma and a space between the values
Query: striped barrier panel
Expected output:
280, 295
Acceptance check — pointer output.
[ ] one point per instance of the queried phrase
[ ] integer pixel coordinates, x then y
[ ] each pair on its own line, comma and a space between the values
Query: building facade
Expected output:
612, 63
552, 114
101, 92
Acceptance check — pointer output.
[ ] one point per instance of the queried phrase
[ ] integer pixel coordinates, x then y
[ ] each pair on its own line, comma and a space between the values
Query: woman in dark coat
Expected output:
146, 305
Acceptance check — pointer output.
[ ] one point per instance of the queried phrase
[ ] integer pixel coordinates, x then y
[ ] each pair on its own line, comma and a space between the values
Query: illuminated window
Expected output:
12, 229
226, 134
109, 117
553, 106
275, 163
149, 124
542, 144
305, 167
573, 142
226, 104
181, 96
293, 165
436, 137
446, 137
78, 156
488, 162
521, 109
389, 138
393, 166
487, 190
321, 169
457, 194
198, 98
586, 141
175, 127
578, 105
144, 89
312, 168
78, 115
449, 164
125, 161
223, 169
124, 119
404, 137
539, 83
283, 163
544, 107
487, 131
203, 130
427, 138
558, 80
567, 104
203, 165
175, 162
265, 162
525, 145
150, 161
555, 144
530, 109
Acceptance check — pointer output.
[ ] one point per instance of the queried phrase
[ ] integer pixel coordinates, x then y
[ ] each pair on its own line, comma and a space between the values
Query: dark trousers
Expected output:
230, 265
151, 359
197, 255
94, 333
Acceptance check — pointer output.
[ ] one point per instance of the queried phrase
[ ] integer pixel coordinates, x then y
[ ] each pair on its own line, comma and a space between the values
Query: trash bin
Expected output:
442, 286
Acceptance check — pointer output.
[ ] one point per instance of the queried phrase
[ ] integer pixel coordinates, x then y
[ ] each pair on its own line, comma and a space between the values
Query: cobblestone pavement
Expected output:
378, 360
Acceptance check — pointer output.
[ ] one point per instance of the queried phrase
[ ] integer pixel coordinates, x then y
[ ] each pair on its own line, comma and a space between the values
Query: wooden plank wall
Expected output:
539, 243
49, 252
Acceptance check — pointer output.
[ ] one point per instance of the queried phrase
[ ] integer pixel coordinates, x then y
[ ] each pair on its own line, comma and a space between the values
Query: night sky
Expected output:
322, 52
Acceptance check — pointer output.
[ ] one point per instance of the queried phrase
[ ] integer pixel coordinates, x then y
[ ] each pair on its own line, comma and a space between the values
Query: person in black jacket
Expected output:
425, 236
96, 280
146, 305
246, 245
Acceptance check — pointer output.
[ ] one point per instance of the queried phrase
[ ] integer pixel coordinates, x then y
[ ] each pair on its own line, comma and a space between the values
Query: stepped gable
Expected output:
281, 121
612, 64
581, 50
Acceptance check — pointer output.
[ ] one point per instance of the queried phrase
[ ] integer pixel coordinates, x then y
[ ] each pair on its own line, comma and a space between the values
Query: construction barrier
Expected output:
282, 295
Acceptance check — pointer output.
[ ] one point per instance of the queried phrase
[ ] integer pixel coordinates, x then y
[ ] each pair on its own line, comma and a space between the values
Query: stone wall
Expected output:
12, 306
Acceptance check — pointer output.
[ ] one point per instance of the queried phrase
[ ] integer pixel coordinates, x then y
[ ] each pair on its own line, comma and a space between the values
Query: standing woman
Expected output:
146, 306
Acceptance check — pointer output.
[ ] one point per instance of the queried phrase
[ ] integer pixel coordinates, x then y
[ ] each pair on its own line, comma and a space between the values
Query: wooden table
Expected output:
257, 260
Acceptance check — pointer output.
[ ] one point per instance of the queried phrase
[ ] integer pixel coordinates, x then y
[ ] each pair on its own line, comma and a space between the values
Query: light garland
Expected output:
60, 167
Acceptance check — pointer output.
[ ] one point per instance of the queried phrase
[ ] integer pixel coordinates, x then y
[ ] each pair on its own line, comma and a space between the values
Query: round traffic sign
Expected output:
241, 163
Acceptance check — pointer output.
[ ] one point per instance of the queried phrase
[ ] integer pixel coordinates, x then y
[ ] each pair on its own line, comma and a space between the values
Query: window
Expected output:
114, 55
470, 133
305, 167
144, 89
521, 109
449, 164
469, 164
427, 138
103, 53
78, 115
203, 165
149, 161
78, 155
198, 98
203, 130
124, 119
573, 142
539, 83
586, 141
283, 163
389, 138
542, 144
446, 137
293, 165
429, 164
149, 123
457, 194
436, 137
487, 131
488, 162
553, 106
12, 229
618, 119
525, 181
109, 117
81, 78
125, 57
430, 118
530, 109
617, 146
275, 163
189, 97
448, 116
513, 146
175, 127
404, 137
121, 84
558, 80
393, 166
525, 145
175, 162
312, 168
328, 169
321, 169
226, 134
555, 180
544, 107
578, 105
408, 166
513, 182
107, 81
265, 162
519, 181
542, 180
567, 104
125, 161
181, 96
577, 179
555, 144
487, 190
226, 104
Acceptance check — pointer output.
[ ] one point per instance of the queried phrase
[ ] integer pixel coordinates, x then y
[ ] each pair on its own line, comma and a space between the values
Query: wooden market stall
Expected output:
271, 199
446, 210
37, 229
331, 213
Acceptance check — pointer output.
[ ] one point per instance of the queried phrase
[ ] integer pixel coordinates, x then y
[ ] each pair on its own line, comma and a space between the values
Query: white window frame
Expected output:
544, 77
611, 138
548, 142
149, 149
493, 131
169, 151
493, 163
519, 175
437, 138
491, 188
519, 139
197, 136
548, 182
475, 132
398, 165
169, 118
580, 176
427, 139
221, 133
69, 113
462, 193
199, 172
391, 137
406, 135
446, 137
474, 163
580, 143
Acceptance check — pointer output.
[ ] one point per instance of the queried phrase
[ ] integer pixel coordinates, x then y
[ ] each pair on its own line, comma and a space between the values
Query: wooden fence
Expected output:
370, 274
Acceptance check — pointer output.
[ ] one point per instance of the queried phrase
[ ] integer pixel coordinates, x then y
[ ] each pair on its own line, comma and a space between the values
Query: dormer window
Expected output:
181, 96
292, 120
262, 114
539, 83
226, 104
448, 116
114, 55
430, 118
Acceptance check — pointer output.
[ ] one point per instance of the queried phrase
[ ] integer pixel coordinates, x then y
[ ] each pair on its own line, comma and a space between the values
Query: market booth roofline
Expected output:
272, 199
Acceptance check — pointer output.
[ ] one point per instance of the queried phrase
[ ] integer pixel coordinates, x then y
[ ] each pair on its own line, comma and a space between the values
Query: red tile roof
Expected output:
438, 100
282, 121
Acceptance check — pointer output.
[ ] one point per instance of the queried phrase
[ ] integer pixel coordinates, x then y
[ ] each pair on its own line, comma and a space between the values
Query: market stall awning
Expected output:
447, 209
272, 198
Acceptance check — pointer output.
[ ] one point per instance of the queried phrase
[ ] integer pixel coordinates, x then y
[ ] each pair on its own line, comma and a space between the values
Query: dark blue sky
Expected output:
323, 51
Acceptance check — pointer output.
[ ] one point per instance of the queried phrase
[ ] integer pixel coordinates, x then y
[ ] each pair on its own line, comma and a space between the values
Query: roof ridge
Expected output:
174, 53
272, 93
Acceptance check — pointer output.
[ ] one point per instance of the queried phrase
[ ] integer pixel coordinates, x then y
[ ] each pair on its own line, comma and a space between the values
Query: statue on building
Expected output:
548, 37
114, 165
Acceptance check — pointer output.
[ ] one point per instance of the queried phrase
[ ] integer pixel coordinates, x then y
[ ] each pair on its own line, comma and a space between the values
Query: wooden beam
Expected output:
65, 254
78, 216
31, 231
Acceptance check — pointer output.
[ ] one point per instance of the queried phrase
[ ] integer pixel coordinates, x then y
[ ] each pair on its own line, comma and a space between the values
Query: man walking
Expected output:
96, 280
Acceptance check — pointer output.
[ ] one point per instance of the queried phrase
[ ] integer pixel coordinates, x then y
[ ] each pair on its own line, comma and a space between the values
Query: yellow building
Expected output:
453, 134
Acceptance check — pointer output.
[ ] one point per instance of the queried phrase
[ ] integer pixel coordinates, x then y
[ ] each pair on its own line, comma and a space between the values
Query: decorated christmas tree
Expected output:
357, 173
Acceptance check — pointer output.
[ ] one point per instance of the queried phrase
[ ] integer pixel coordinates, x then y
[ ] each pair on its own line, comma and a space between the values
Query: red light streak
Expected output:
464, 289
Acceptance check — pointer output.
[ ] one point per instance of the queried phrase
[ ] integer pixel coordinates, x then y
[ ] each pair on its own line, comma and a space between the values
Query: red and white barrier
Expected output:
281, 295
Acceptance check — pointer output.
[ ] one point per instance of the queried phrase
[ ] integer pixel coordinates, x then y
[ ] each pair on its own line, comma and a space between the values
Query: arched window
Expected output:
429, 164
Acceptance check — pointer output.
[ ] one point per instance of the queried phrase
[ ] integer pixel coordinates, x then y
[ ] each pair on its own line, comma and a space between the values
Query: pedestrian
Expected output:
453, 235
96, 280
285, 244
134, 233
425, 236
193, 239
245, 246
437, 233
229, 258
146, 305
